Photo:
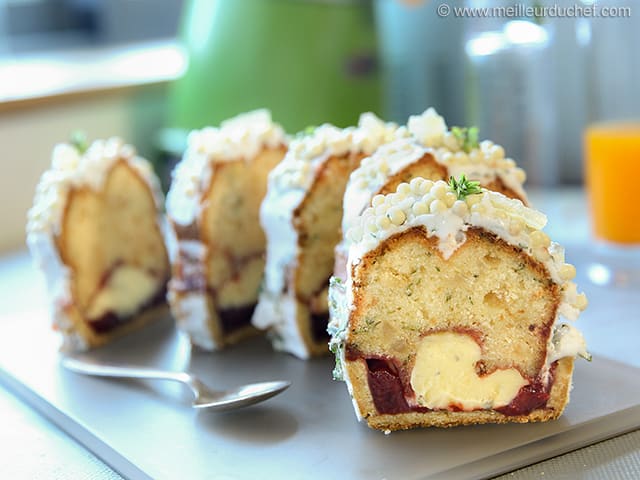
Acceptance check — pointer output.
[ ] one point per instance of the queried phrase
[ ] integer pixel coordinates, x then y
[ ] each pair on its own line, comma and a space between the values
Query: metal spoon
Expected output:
205, 397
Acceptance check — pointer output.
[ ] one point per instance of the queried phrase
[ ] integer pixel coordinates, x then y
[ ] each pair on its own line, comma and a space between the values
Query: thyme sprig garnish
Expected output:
307, 131
463, 187
78, 140
467, 137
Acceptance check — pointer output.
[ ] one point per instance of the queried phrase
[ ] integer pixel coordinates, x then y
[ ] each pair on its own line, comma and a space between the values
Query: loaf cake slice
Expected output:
301, 215
434, 152
449, 314
95, 228
213, 206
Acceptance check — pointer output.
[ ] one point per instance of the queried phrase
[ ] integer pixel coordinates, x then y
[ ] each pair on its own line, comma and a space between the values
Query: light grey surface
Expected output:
32, 448
615, 459
149, 430
611, 325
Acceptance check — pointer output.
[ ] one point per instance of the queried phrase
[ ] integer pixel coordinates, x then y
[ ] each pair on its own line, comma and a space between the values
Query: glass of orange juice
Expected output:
612, 166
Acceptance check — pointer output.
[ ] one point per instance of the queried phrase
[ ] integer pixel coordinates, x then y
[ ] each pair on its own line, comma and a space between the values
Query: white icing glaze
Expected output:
72, 170
567, 341
191, 308
373, 173
340, 305
433, 205
430, 135
484, 163
192, 313
283, 334
240, 138
289, 183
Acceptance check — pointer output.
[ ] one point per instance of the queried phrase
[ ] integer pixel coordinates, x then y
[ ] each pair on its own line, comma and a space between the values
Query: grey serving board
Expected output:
145, 429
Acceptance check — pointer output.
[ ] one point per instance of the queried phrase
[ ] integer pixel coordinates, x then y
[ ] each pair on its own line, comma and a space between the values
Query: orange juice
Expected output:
612, 163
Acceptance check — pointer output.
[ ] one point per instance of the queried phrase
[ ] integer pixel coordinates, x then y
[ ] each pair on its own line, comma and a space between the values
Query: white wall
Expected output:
28, 131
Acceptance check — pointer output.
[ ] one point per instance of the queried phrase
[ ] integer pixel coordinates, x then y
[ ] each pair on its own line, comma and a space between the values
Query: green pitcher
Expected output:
308, 61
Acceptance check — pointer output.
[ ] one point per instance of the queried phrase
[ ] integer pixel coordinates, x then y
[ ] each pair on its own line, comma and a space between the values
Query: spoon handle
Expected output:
114, 371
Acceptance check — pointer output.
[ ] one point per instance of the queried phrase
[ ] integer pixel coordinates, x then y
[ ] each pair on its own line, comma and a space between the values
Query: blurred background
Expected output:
150, 71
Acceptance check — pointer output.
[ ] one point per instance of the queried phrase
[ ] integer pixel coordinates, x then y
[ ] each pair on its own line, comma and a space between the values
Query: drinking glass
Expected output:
612, 165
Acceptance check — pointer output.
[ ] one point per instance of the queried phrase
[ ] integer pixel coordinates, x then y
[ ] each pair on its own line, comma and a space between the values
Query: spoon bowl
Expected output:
204, 396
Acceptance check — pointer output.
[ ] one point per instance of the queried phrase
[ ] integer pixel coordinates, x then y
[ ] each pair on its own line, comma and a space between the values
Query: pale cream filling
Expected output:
444, 374
127, 289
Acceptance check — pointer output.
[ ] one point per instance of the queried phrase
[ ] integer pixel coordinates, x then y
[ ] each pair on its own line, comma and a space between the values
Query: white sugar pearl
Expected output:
567, 272
393, 199
486, 145
437, 206
370, 225
497, 152
420, 208
451, 142
475, 155
473, 200
460, 208
404, 189
540, 239
516, 226
382, 222
446, 157
406, 204
377, 200
541, 253
428, 198
396, 216
426, 186
439, 190
450, 198
581, 301
460, 157
416, 184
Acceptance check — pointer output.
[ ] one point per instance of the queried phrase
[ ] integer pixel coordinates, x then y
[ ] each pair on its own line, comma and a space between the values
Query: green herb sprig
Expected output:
78, 140
467, 137
463, 187
307, 131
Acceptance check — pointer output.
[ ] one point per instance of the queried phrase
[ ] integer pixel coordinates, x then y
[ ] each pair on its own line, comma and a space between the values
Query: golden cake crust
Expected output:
78, 334
317, 221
